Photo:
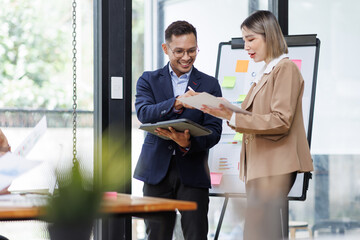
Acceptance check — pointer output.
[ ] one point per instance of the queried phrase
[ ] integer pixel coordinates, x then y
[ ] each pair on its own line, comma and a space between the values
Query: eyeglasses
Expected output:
179, 53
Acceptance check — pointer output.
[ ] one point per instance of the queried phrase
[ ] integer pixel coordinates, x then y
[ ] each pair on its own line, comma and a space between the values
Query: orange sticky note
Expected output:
297, 62
215, 178
242, 65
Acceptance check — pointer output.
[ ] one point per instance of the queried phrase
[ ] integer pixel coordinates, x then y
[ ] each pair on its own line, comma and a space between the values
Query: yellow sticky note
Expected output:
242, 65
228, 82
241, 98
238, 137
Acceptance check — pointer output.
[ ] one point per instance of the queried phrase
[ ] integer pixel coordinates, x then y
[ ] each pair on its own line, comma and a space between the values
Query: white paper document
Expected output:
29, 142
211, 101
23, 200
12, 166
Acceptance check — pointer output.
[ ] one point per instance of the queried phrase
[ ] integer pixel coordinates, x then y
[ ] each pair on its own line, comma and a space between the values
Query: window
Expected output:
334, 192
36, 80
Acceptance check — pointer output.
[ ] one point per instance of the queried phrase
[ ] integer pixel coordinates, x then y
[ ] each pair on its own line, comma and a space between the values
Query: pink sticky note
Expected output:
110, 195
215, 178
297, 62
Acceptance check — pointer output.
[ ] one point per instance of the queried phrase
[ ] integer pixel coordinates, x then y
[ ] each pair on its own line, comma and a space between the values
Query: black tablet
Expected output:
179, 125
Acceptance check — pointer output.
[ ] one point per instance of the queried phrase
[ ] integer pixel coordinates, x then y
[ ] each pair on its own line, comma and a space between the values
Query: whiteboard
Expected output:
236, 72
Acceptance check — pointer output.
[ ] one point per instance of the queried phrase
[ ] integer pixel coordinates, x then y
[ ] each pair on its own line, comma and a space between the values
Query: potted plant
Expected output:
72, 210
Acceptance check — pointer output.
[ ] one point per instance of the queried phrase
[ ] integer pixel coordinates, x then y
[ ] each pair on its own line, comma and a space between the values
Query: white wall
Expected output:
215, 21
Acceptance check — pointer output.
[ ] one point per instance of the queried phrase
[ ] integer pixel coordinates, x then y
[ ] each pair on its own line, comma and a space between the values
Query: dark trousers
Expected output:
194, 223
266, 202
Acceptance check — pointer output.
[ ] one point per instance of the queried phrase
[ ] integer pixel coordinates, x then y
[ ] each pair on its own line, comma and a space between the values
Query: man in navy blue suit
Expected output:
177, 168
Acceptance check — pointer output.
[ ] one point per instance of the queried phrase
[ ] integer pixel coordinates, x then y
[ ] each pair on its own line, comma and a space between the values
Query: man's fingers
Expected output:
187, 133
192, 93
172, 130
188, 106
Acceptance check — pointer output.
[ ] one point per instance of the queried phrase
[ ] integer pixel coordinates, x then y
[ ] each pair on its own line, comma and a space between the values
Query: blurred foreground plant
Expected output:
77, 201
72, 210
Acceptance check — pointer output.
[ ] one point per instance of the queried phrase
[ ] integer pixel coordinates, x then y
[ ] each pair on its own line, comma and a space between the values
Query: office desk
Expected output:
123, 205
150, 208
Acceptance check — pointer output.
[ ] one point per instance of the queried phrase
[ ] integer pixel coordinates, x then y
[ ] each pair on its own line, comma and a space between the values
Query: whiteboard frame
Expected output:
293, 41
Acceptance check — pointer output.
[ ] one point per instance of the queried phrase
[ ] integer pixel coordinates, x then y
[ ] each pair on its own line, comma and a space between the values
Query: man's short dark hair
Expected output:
179, 28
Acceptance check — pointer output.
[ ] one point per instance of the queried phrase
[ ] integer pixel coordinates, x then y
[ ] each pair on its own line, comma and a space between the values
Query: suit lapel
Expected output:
165, 83
194, 80
256, 89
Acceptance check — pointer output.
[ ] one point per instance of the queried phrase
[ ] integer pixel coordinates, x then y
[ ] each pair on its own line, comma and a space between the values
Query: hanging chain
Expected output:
74, 51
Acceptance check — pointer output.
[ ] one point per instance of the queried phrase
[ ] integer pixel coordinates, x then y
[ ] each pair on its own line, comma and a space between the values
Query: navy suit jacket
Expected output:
154, 103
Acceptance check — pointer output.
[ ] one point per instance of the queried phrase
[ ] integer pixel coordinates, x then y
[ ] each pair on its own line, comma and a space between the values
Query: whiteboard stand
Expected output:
236, 80
285, 212
223, 209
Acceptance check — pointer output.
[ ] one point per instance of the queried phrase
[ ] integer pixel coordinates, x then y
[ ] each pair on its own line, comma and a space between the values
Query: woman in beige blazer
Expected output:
274, 146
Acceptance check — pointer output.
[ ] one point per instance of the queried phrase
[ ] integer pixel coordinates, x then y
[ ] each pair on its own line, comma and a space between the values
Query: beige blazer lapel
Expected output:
255, 90
266, 72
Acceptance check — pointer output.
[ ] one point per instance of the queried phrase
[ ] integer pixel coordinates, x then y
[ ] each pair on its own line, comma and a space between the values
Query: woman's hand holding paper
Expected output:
4, 145
220, 112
